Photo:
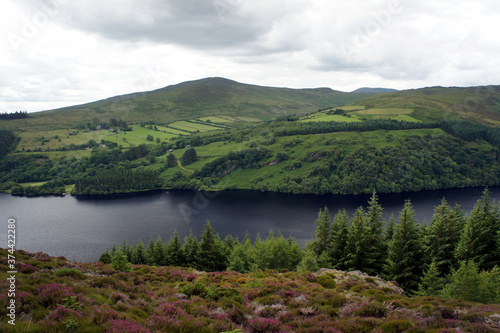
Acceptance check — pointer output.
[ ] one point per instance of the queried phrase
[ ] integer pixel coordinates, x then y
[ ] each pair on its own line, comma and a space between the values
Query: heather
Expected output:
57, 295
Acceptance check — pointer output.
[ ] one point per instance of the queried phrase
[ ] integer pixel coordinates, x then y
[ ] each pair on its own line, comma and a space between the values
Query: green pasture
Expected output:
323, 116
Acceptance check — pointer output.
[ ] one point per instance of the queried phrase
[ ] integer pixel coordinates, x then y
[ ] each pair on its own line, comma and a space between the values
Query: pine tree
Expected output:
308, 263
211, 250
377, 249
139, 254
338, 245
239, 260
443, 237
357, 243
323, 237
466, 283
191, 250
404, 252
149, 252
119, 262
127, 250
159, 252
478, 241
389, 230
174, 252
432, 283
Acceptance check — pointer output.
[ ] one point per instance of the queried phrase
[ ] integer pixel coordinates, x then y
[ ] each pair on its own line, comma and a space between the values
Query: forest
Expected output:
400, 156
454, 256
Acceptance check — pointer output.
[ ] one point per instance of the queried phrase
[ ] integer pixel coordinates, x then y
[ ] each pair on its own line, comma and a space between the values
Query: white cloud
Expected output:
61, 52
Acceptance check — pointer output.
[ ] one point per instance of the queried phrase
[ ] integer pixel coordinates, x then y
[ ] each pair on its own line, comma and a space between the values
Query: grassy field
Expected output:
322, 116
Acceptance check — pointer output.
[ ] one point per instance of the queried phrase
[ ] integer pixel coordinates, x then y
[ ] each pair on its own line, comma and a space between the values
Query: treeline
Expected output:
118, 180
7, 140
13, 115
319, 127
15, 169
469, 131
456, 256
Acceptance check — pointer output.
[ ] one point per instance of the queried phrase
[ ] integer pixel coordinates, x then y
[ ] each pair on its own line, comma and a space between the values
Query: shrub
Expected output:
194, 289
105, 258
372, 309
267, 325
396, 326
327, 282
69, 272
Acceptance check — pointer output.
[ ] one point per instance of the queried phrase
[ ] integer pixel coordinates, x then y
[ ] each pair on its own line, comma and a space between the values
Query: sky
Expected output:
56, 53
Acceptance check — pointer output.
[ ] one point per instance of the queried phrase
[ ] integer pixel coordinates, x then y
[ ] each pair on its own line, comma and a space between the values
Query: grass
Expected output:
382, 111
322, 116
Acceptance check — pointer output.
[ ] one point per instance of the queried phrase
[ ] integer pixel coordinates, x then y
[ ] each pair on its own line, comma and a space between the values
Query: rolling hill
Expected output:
481, 104
189, 100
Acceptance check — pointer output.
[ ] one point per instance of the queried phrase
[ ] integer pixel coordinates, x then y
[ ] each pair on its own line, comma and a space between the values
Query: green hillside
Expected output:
481, 104
187, 101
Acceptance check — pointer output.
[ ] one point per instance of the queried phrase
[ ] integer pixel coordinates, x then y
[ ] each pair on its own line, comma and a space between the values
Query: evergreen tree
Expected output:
159, 252
478, 241
239, 260
377, 249
120, 263
308, 263
295, 253
389, 230
323, 237
191, 250
127, 250
404, 252
466, 283
280, 257
338, 245
174, 252
139, 254
211, 250
149, 252
443, 237
358, 256
432, 283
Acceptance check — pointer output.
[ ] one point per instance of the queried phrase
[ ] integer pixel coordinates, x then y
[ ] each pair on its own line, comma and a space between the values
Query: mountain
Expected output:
374, 90
193, 99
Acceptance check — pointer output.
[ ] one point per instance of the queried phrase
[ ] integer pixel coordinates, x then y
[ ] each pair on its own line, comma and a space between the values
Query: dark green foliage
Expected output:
119, 262
377, 248
358, 256
118, 180
239, 260
404, 252
323, 232
7, 140
469, 284
171, 160
174, 254
211, 249
432, 283
478, 241
443, 236
189, 156
105, 258
340, 228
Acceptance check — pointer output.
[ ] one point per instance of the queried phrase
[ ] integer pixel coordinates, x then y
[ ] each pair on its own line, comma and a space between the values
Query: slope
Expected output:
188, 100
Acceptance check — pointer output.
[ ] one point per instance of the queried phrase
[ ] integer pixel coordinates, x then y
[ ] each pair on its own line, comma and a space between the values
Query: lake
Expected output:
82, 228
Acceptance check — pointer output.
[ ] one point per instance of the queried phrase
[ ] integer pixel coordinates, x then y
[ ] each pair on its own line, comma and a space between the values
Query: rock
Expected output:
180, 296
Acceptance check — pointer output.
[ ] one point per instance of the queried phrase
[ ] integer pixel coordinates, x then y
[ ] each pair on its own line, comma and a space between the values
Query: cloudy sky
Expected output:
55, 53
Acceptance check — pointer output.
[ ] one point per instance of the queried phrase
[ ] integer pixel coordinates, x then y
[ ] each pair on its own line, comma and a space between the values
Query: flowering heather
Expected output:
172, 299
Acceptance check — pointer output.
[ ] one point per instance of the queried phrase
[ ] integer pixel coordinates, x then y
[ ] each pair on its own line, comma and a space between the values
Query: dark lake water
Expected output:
81, 229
